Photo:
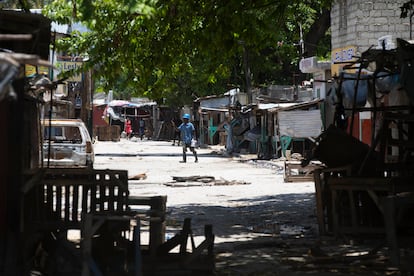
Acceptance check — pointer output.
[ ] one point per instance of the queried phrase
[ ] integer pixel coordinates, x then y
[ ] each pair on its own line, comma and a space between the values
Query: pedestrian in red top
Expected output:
128, 128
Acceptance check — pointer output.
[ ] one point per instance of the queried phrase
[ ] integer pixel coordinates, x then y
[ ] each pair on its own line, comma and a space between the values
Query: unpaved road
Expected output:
250, 194
262, 225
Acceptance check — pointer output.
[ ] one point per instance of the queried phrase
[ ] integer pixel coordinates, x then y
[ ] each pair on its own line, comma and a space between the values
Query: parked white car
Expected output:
70, 144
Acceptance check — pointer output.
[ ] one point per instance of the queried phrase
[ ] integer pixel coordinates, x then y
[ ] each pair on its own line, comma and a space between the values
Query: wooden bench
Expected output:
95, 202
57, 198
156, 216
351, 204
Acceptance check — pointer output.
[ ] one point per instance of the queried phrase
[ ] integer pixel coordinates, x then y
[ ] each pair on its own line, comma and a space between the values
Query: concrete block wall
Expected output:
360, 22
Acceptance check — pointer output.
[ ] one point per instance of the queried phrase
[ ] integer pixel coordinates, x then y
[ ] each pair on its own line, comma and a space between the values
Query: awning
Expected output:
266, 106
128, 104
120, 103
218, 109
293, 106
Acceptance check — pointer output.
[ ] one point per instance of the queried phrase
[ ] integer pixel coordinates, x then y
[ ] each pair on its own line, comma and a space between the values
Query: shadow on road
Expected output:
277, 235
286, 214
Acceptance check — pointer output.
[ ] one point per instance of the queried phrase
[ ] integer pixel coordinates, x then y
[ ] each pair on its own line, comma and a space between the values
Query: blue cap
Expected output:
186, 116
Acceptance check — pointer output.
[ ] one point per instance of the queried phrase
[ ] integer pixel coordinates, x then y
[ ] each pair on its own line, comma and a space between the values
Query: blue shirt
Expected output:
187, 130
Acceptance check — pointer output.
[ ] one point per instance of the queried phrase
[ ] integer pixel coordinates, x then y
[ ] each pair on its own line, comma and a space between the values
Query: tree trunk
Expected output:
317, 32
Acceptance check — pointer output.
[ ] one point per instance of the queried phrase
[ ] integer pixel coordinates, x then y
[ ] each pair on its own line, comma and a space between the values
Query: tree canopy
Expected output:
175, 50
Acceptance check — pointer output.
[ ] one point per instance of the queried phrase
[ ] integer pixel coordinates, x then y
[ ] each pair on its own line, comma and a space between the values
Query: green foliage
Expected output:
177, 50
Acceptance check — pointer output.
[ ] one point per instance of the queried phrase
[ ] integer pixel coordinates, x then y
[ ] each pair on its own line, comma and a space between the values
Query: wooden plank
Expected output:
122, 184
39, 197
112, 198
75, 203
68, 201
96, 192
85, 193
58, 207
100, 197
65, 181
391, 184
49, 201
140, 200
93, 199
186, 233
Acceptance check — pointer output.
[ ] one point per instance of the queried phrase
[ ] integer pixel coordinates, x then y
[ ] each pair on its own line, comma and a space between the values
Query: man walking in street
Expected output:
188, 137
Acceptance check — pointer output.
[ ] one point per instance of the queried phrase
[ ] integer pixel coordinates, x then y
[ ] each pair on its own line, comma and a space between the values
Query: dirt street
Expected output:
262, 225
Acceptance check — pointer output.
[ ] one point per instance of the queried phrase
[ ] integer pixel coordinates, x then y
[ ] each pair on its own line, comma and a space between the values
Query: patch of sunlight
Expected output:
73, 235
296, 259
234, 238
357, 254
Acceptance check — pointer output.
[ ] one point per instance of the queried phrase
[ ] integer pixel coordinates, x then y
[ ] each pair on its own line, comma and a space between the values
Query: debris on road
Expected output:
197, 180
140, 176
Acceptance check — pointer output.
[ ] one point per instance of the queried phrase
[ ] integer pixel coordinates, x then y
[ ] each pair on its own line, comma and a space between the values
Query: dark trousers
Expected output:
192, 149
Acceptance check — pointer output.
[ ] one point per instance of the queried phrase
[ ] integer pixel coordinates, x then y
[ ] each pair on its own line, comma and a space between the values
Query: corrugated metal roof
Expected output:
267, 106
300, 123
292, 106
221, 102
214, 109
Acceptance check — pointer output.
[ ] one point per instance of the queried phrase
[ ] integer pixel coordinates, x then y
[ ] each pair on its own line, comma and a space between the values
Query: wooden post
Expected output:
86, 244
319, 201
157, 222
208, 233
137, 247
186, 232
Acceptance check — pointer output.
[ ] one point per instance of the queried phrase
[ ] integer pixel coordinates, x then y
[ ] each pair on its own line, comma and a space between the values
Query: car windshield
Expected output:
63, 134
